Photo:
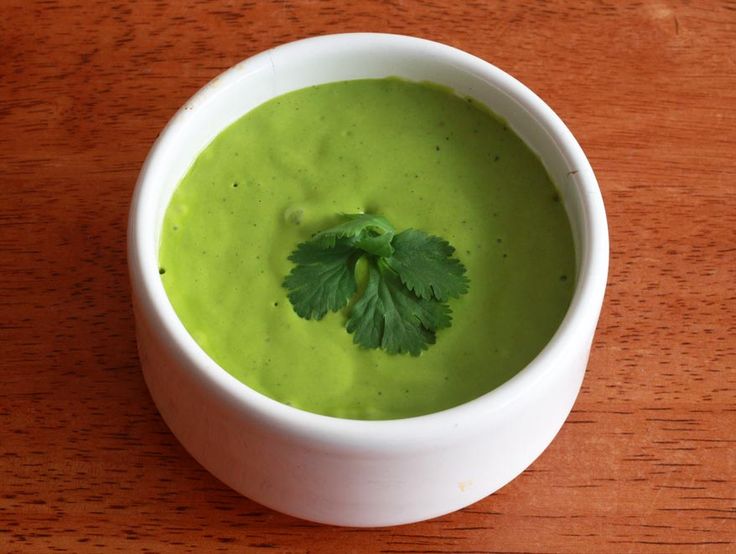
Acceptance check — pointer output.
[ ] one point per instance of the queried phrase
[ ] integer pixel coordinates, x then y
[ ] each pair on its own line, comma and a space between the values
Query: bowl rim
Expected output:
580, 318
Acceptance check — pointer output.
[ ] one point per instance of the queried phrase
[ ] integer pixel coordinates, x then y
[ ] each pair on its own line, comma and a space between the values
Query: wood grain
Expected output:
646, 462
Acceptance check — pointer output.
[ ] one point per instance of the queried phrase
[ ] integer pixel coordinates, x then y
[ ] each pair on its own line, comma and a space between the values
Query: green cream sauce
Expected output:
420, 156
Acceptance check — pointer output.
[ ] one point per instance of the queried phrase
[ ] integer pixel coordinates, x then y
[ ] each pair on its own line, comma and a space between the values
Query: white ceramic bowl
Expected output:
341, 471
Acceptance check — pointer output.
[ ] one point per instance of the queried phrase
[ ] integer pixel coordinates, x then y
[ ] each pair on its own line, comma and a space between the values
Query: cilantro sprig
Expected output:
410, 278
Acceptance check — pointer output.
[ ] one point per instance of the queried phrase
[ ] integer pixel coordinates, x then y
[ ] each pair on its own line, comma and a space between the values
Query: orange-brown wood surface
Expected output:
646, 462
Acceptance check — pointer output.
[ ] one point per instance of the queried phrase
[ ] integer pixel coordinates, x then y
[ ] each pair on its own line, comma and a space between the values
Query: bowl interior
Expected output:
354, 56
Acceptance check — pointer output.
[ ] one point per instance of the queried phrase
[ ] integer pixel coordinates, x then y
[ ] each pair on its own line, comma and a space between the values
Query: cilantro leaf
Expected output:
379, 245
426, 266
410, 277
371, 233
323, 279
390, 317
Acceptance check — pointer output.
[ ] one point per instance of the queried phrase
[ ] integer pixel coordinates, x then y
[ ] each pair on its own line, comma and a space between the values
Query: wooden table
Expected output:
647, 460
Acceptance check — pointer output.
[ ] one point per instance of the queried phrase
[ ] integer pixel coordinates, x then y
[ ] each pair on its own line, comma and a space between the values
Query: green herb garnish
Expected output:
410, 277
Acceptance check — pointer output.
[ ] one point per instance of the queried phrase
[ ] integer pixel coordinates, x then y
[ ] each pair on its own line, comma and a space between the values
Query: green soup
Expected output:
415, 153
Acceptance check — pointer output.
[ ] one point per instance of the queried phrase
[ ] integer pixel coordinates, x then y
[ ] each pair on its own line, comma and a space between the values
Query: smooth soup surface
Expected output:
415, 153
